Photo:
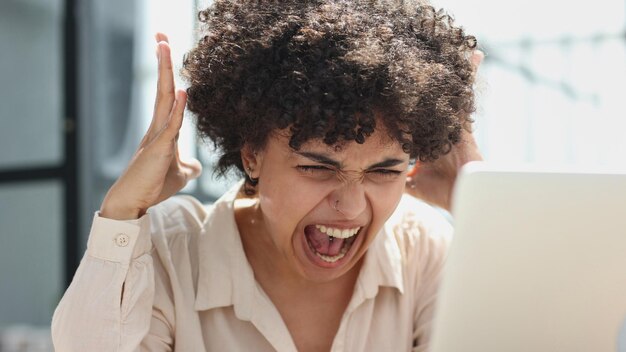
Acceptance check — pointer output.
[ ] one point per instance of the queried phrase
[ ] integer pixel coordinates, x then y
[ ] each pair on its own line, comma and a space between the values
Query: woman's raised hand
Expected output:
434, 182
155, 172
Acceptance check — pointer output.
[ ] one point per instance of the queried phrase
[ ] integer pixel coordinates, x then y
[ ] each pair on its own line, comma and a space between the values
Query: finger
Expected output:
161, 37
175, 121
477, 58
155, 123
165, 88
192, 168
146, 138
414, 170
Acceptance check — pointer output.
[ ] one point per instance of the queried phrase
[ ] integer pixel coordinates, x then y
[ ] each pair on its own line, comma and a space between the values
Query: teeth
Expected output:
338, 233
333, 259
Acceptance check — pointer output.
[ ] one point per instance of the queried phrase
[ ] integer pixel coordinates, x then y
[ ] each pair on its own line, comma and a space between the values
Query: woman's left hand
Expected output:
434, 181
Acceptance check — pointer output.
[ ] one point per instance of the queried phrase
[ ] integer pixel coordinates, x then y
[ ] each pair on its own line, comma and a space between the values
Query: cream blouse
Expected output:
177, 279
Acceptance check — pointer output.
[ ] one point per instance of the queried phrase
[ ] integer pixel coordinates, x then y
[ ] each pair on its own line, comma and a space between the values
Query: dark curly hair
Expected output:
329, 69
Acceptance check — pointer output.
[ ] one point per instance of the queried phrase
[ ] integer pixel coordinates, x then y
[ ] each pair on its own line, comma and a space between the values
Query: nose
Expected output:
349, 200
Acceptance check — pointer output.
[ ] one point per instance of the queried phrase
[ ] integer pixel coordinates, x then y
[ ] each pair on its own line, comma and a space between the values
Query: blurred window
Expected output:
32, 158
551, 88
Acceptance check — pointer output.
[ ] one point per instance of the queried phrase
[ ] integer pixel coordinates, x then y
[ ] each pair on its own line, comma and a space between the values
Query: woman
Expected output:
322, 106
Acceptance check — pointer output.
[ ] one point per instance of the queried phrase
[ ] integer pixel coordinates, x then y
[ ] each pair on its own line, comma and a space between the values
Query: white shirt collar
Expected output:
225, 276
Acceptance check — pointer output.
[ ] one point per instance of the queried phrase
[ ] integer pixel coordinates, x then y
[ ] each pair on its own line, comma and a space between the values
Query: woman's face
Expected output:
323, 205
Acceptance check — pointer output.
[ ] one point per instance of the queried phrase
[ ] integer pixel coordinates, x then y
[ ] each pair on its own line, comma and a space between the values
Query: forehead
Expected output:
376, 147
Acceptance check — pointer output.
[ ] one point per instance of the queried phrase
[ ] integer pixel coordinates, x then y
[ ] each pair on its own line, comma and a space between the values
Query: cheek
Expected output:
285, 202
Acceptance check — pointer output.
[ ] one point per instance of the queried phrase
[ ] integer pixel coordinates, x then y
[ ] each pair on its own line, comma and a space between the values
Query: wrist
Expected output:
118, 214
110, 210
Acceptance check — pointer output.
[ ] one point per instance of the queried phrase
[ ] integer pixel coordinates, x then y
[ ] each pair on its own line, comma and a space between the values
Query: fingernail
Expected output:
414, 170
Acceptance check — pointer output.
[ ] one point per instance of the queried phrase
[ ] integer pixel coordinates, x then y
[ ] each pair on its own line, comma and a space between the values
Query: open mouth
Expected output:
330, 244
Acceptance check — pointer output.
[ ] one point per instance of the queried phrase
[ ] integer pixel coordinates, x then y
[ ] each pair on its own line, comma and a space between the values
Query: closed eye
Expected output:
317, 172
386, 172
383, 174
322, 172
313, 168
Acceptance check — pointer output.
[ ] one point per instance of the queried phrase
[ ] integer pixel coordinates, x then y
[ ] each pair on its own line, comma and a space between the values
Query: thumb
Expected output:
192, 168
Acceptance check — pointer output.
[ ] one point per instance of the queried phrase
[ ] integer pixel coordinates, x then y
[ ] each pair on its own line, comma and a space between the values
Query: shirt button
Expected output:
122, 240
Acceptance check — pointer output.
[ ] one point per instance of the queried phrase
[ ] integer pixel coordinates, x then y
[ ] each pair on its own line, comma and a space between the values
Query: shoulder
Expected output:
416, 219
422, 233
180, 215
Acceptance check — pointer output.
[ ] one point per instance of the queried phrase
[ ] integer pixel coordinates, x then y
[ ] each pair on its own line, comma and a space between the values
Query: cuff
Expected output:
119, 240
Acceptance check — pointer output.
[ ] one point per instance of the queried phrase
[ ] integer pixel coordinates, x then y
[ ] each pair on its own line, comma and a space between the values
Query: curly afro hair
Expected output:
332, 70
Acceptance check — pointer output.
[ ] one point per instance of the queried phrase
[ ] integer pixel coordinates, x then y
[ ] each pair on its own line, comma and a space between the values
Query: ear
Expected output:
252, 161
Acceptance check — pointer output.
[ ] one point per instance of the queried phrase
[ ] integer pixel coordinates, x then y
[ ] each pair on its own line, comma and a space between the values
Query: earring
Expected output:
250, 169
253, 180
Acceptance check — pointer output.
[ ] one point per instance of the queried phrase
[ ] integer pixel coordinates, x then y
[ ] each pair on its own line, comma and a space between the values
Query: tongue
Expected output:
322, 242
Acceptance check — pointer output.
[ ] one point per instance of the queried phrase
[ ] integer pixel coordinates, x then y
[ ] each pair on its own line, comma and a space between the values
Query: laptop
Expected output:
537, 263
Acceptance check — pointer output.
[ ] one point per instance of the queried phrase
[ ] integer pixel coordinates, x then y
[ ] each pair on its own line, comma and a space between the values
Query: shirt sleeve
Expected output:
110, 303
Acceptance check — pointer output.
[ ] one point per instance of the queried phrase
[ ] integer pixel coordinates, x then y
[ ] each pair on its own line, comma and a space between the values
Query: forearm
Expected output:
108, 305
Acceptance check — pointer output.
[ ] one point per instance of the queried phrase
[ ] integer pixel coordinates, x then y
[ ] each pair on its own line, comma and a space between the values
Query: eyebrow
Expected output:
323, 159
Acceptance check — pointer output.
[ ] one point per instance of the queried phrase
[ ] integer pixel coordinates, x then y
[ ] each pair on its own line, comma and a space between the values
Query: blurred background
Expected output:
78, 81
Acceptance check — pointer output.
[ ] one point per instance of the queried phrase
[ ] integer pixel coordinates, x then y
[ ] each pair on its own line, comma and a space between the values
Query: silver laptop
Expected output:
537, 263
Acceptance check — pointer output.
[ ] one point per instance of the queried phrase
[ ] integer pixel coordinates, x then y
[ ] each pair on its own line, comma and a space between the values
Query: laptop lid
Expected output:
538, 263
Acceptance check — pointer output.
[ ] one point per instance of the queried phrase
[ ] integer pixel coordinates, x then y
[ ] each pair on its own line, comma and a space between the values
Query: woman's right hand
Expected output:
155, 172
